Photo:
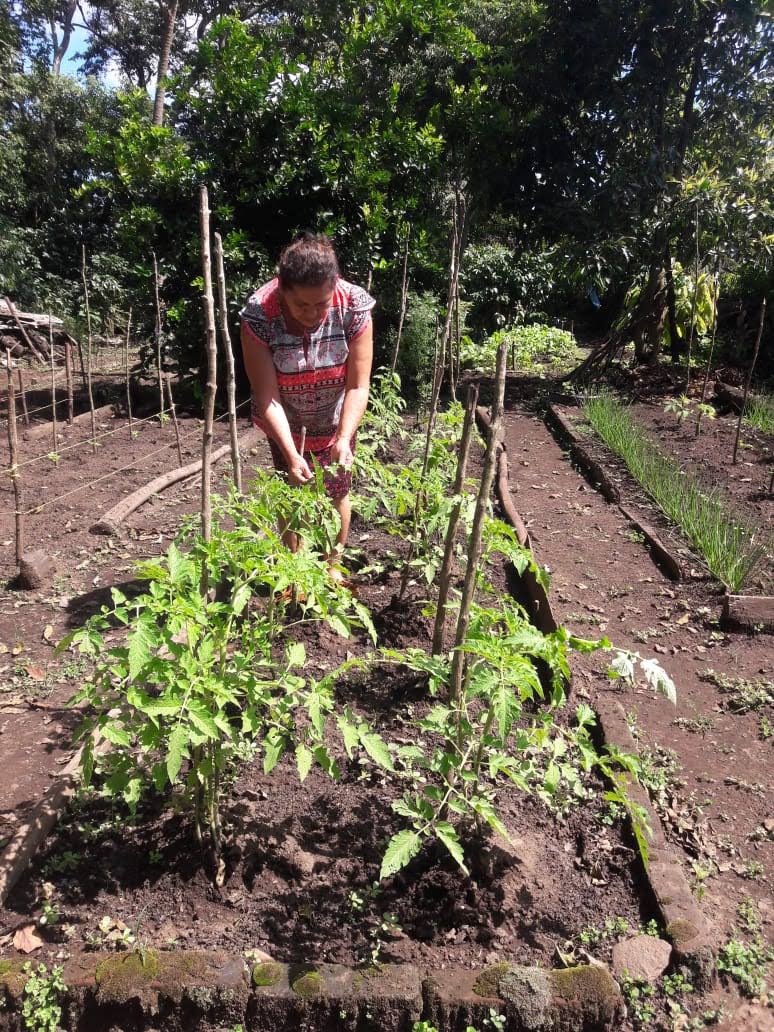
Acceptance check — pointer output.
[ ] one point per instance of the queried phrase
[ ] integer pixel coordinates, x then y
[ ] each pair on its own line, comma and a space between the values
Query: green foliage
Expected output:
639, 996
759, 412
702, 308
503, 284
42, 1003
731, 548
198, 681
534, 347
746, 963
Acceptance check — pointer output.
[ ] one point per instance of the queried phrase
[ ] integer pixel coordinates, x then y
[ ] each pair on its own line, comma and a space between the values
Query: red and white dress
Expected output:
311, 368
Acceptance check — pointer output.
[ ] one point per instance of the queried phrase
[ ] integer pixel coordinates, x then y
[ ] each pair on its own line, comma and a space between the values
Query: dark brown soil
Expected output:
303, 860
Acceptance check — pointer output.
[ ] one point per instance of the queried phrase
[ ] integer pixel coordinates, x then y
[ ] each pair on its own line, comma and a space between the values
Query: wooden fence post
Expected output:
13, 467
212, 367
229, 355
88, 350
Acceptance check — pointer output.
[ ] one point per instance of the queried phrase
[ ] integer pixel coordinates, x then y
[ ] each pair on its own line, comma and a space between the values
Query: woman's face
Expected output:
308, 305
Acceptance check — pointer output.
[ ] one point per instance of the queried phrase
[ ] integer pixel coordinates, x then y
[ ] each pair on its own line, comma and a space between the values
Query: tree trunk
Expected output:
650, 316
675, 343
61, 46
170, 14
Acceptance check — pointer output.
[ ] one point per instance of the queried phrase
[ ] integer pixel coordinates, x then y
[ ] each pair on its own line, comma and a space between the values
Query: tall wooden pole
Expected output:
158, 336
212, 369
476, 533
444, 577
126, 370
693, 307
173, 411
69, 379
53, 380
403, 301
225, 337
748, 381
13, 466
88, 350
712, 345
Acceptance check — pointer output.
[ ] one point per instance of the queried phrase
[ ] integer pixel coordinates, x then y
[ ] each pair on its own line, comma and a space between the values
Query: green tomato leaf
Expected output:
376, 748
141, 641
304, 760
401, 848
177, 750
448, 836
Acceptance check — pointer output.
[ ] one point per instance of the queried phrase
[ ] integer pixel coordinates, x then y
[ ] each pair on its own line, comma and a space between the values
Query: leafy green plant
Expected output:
639, 995
759, 412
679, 407
746, 964
731, 548
198, 683
531, 347
42, 1006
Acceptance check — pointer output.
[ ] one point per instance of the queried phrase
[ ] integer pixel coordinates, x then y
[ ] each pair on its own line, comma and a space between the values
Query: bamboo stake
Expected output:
712, 345
53, 380
126, 370
748, 381
22, 331
474, 543
212, 370
444, 577
173, 410
225, 337
693, 307
23, 395
403, 302
302, 443
88, 350
158, 336
13, 467
69, 379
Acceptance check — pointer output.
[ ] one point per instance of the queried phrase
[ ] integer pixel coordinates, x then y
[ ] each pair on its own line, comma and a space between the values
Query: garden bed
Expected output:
303, 860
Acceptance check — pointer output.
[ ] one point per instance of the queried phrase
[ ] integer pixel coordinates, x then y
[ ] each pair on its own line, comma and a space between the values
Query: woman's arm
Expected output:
361, 353
263, 380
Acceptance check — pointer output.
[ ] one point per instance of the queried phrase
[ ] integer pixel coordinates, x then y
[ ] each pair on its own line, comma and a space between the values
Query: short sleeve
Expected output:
256, 322
358, 313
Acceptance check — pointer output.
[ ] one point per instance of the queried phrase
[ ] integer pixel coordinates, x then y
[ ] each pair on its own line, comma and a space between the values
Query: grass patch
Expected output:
731, 547
759, 412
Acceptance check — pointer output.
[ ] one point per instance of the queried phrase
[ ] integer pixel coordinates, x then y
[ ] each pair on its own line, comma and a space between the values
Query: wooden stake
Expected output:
748, 381
158, 336
126, 370
693, 307
23, 395
302, 443
212, 370
225, 337
403, 302
88, 351
712, 345
173, 411
444, 577
69, 379
474, 543
53, 380
13, 467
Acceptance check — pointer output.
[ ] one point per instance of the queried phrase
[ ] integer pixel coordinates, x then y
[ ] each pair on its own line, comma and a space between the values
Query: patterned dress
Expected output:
311, 368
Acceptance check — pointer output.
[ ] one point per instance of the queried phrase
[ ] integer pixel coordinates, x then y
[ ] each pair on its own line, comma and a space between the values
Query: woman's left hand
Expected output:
341, 453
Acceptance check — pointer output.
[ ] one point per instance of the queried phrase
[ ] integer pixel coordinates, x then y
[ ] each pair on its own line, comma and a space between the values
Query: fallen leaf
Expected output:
26, 941
684, 618
48, 630
3, 649
18, 647
35, 672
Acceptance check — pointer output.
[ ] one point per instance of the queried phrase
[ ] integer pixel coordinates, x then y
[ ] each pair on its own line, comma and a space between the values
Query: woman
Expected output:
307, 340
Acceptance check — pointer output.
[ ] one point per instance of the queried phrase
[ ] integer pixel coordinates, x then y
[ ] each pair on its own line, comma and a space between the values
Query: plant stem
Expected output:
209, 400
88, 350
712, 345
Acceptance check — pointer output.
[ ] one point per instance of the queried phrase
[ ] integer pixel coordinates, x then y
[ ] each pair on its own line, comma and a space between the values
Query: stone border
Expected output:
599, 478
749, 612
186, 990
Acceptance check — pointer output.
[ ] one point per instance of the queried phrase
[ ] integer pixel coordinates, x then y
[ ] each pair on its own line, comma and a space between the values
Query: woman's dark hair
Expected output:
309, 261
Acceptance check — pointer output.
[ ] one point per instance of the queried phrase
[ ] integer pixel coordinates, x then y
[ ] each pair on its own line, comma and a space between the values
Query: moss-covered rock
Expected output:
13, 977
590, 992
127, 976
681, 931
527, 990
488, 981
266, 973
310, 985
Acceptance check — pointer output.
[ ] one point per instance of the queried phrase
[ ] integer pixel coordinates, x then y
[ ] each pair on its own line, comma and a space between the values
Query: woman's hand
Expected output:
341, 453
298, 471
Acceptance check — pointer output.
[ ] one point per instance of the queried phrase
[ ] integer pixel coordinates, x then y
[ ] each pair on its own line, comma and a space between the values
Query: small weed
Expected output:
696, 725
749, 916
680, 408
753, 869
639, 996
676, 985
759, 412
746, 964
54, 457
636, 537
651, 928
741, 695
612, 929
42, 1009
61, 863
765, 729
